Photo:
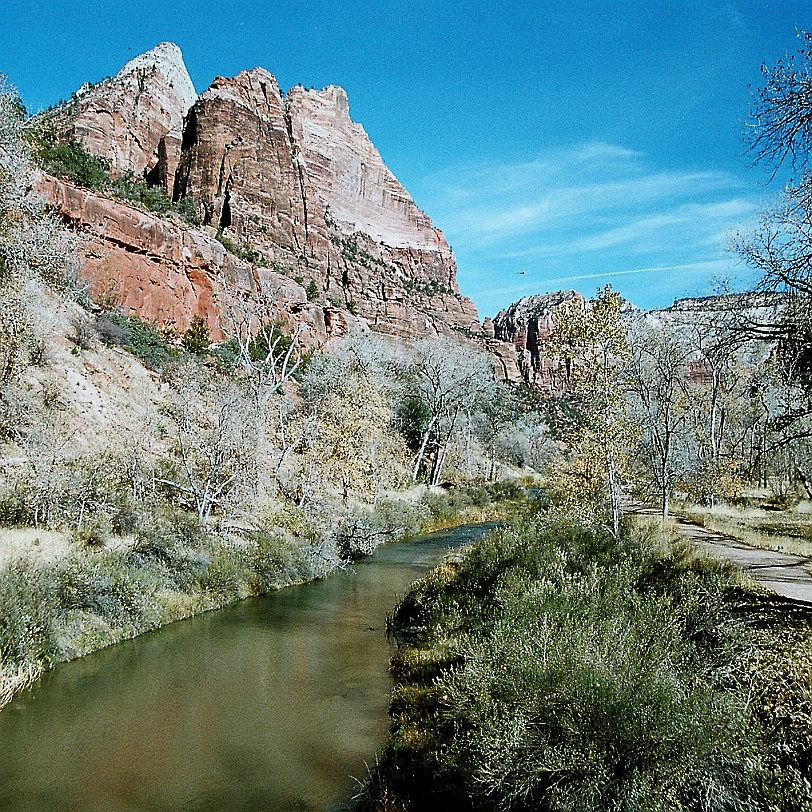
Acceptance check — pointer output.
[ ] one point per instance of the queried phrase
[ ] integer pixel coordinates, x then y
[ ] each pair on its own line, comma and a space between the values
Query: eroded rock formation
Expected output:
124, 118
166, 272
525, 325
291, 184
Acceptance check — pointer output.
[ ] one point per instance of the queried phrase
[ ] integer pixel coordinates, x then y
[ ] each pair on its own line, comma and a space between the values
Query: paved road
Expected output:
787, 575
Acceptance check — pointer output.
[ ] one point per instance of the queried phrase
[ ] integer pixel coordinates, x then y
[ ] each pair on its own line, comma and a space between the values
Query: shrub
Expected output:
312, 291
91, 536
225, 354
188, 208
14, 509
558, 667
70, 160
361, 529
137, 193
196, 338
244, 251
138, 337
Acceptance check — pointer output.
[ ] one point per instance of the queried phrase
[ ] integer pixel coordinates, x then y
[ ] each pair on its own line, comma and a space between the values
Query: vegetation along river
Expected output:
272, 703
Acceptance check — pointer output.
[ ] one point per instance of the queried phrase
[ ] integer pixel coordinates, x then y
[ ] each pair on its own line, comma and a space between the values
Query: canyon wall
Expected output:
288, 189
524, 326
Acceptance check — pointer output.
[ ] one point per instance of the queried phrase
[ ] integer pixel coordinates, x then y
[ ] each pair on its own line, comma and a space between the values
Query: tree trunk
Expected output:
422, 451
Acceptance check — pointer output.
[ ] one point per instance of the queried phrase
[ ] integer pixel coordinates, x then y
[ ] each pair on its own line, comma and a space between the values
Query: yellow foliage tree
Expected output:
589, 341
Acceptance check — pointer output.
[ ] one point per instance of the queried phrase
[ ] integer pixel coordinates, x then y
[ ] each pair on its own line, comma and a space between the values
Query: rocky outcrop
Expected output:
124, 118
166, 272
237, 161
292, 183
525, 325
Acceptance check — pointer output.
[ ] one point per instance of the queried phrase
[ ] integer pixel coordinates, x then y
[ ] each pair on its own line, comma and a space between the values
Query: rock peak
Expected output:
350, 176
125, 118
165, 58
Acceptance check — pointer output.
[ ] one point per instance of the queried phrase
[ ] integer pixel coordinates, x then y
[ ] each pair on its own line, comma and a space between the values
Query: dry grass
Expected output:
29, 542
786, 531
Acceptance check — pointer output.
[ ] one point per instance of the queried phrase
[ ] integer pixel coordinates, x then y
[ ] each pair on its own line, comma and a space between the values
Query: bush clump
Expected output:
140, 338
557, 667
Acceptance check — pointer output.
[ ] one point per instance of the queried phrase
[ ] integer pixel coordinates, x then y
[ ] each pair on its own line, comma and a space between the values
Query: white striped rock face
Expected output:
349, 175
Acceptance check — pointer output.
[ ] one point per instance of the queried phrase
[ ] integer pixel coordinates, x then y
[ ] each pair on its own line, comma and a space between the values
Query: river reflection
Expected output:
274, 703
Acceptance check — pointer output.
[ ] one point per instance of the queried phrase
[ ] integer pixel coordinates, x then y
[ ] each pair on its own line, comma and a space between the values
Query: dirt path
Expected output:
786, 575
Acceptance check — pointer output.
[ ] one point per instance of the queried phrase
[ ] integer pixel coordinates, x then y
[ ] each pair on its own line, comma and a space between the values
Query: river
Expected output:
275, 703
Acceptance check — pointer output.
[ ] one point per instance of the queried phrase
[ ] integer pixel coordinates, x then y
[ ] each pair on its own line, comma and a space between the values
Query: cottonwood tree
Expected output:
660, 403
780, 124
446, 382
215, 445
511, 428
780, 247
346, 445
589, 337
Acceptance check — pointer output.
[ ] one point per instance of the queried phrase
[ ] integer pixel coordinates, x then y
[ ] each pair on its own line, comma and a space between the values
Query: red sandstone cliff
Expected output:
166, 272
294, 179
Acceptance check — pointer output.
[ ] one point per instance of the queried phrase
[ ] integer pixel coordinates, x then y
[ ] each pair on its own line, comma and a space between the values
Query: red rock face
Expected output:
166, 273
238, 162
294, 184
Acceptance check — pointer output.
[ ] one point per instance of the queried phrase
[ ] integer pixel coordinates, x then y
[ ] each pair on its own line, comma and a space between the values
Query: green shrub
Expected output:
188, 208
72, 161
557, 667
360, 530
14, 509
27, 619
312, 291
196, 338
138, 337
244, 251
91, 536
225, 353
138, 194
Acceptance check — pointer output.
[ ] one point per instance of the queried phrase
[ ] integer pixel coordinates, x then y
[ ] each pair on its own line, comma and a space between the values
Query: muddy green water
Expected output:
275, 703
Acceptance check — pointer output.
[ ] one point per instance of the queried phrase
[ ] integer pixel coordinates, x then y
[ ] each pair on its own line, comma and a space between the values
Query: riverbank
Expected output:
58, 608
556, 667
270, 703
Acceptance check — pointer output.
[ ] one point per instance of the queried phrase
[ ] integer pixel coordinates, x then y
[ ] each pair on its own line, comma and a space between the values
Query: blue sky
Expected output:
556, 144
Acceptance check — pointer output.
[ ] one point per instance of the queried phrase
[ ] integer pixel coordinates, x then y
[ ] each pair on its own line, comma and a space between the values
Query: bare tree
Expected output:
661, 403
445, 380
780, 126
215, 443
267, 354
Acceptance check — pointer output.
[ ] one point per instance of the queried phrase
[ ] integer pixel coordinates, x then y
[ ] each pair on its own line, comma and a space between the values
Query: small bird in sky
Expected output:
521, 273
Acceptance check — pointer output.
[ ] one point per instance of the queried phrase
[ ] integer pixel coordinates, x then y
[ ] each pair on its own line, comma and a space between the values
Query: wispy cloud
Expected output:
586, 212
